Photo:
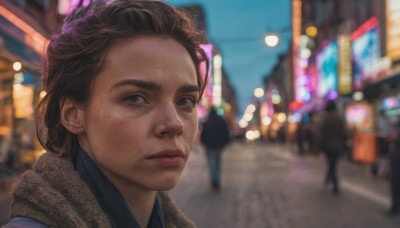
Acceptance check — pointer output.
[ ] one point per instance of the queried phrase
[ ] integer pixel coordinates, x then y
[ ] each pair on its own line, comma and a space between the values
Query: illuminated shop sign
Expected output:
345, 76
391, 106
23, 100
203, 69
393, 29
303, 81
366, 53
296, 33
327, 62
359, 115
207, 97
313, 73
217, 82
65, 6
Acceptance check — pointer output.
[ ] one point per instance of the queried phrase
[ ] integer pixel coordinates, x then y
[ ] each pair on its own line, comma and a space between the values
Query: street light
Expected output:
271, 40
17, 66
259, 92
248, 116
250, 108
311, 31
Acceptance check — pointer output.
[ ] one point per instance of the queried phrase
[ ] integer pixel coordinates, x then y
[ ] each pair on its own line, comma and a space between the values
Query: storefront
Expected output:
359, 120
21, 48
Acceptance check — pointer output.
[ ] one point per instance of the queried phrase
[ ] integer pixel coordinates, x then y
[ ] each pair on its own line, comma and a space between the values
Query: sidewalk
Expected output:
8, 179
268, 185
354, 177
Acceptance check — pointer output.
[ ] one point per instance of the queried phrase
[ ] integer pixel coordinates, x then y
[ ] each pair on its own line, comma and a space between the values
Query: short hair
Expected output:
77, 53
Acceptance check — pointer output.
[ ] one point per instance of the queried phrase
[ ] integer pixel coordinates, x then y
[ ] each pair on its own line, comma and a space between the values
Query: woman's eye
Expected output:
135, 99
187, 102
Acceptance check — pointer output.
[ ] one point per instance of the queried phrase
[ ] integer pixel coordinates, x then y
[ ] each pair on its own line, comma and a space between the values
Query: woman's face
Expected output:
141, 118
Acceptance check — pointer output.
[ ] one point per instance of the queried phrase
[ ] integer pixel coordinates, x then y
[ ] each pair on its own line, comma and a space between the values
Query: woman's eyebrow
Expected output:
188, 88
142, 84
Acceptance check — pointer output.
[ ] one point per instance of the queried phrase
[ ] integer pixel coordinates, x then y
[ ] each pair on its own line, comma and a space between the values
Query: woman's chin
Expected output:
163, 183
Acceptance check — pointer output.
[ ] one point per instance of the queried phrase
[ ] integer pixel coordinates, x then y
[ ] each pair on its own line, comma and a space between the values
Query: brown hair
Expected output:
76, 55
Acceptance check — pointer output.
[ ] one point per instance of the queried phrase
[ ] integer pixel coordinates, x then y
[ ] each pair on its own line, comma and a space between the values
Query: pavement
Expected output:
8, 179
269, 185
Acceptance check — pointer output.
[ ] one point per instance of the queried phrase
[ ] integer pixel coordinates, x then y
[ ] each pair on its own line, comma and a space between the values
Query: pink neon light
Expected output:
78, 3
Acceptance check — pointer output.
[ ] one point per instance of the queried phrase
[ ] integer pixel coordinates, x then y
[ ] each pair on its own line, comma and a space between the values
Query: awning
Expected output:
20, 33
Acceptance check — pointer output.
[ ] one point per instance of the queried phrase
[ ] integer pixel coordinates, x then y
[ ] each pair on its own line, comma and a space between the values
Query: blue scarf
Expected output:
109, 198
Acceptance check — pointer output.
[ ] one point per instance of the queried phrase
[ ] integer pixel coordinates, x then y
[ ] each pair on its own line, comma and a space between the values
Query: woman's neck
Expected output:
140, 201
141, 207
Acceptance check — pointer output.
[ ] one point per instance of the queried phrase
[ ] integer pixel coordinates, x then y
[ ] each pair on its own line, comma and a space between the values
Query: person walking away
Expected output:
215, 135
333, 139
394, 151
300, 137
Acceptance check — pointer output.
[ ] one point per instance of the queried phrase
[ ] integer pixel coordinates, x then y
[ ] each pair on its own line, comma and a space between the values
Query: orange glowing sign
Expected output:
393, 29
296, 30
364, 147
296, 22
36, 40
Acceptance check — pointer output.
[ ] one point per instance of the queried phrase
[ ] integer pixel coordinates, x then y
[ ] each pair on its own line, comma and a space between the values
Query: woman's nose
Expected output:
169, 123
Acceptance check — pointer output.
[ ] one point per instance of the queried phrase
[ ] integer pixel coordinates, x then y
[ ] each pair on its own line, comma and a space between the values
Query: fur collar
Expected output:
54, 194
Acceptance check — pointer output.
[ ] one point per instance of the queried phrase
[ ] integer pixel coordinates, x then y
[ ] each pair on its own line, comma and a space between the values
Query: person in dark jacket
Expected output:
118, 121
215, 135
300, 137
333, 138
394, 151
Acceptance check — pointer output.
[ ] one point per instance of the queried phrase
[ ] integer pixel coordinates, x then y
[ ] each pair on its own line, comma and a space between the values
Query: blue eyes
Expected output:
135, 99
186, 102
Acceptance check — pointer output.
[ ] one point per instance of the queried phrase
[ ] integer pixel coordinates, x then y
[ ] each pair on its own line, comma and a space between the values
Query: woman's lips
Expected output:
167, 158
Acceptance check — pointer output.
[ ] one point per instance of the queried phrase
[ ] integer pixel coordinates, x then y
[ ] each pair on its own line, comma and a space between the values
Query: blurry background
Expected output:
274, 65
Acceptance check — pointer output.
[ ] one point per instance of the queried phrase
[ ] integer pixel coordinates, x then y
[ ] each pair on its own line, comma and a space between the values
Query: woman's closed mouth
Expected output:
167, 158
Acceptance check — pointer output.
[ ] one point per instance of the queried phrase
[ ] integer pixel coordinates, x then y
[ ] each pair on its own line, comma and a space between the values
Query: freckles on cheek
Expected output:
125, 133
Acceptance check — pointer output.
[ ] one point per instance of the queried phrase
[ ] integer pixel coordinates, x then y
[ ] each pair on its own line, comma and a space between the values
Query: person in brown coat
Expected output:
333, 139
118, 120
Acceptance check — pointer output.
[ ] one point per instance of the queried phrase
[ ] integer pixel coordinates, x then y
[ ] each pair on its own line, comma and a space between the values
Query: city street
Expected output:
266, 185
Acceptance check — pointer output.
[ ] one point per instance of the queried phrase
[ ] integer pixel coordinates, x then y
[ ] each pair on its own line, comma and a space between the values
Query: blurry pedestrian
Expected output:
10, 158
394, 153
310, 134
215, 135
118, 120
300, 137
333, 139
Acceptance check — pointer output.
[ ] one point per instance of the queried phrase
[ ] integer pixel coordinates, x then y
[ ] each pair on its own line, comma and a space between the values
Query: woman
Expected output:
118, 120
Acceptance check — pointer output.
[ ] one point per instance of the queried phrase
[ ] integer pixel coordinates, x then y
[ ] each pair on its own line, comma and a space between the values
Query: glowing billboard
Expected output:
327, 62
207, 97
391, 106
366, 53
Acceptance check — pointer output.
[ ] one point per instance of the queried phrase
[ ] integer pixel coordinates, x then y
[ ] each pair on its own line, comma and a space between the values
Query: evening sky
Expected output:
237, 28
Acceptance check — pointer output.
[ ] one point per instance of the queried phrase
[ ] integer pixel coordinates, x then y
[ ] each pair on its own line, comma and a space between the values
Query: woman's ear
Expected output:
71, 116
